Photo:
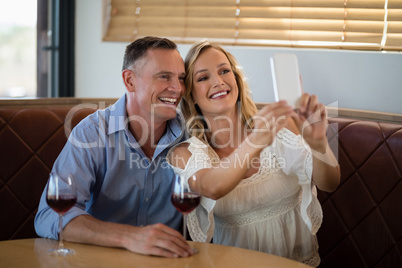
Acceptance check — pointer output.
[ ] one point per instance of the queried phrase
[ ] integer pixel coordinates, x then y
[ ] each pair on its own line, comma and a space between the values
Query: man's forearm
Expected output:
157, 239
89, 230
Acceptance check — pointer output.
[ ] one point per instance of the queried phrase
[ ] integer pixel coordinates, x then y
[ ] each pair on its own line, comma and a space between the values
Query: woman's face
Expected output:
215, 89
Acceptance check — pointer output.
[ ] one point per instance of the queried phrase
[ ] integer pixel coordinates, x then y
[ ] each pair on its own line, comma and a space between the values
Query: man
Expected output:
117, 157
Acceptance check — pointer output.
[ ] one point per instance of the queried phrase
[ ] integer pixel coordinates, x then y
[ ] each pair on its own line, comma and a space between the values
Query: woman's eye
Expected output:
225, 71
203, 78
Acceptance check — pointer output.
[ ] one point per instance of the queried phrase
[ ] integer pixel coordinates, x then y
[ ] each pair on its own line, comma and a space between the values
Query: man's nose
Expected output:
176, 85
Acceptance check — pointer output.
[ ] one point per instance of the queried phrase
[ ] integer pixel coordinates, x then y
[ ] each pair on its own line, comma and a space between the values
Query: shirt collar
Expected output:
118, 118
174, 134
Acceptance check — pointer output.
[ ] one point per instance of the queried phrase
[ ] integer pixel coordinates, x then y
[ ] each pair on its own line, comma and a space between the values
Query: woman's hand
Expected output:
311, 120
267, 122
312, 123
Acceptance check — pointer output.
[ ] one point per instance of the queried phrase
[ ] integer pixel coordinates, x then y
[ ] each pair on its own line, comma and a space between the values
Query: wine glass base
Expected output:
61, 252
195, 251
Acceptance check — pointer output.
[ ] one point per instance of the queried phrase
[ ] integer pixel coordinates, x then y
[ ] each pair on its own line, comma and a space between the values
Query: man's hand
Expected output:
158, 240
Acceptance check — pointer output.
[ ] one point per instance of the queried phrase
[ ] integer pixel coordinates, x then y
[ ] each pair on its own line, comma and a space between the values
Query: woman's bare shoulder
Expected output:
179, 155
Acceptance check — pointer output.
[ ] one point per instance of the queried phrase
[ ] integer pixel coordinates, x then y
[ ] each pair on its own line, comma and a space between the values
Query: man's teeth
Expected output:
168, 100
219, 94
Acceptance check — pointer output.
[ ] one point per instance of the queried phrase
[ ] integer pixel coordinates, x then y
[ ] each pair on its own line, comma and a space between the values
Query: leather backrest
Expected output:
362, 225
30, 141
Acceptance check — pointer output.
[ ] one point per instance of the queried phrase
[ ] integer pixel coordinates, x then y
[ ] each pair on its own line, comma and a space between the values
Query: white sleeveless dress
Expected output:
276, 210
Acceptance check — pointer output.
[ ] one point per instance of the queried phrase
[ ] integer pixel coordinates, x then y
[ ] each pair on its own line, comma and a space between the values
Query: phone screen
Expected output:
286, 78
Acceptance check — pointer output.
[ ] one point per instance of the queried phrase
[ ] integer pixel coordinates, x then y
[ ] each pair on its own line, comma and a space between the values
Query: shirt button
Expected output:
141, 225
147, 199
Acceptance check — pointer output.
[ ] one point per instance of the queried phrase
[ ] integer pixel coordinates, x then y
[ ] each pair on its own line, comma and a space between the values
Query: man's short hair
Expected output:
138, 49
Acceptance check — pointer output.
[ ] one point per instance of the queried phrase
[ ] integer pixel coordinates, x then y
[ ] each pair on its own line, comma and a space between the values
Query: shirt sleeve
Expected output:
200, 222
79, 158
298, 160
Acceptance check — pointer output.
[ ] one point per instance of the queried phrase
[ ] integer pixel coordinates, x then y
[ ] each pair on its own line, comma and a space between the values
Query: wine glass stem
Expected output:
61, 231
185, 226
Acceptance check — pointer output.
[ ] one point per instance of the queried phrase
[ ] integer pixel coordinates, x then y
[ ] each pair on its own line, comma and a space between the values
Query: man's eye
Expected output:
164, 76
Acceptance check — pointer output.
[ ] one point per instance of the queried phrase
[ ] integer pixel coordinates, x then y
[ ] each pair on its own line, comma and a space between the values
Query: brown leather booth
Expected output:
362, 224
30, 141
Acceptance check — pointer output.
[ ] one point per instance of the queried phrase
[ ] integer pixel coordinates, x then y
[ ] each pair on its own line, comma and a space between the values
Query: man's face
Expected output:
159, 84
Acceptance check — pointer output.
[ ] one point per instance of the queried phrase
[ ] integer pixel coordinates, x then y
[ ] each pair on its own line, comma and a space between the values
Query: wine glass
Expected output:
185, 198
61, 195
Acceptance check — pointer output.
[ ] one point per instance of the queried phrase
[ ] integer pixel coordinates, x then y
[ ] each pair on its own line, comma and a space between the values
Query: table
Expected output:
32, 253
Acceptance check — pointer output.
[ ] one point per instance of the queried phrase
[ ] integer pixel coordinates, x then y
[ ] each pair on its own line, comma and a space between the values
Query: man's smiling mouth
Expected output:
168, 100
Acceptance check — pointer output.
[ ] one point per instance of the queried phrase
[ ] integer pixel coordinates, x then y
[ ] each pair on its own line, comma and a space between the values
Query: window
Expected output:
17, 48
36, 48
56, 48
340, 24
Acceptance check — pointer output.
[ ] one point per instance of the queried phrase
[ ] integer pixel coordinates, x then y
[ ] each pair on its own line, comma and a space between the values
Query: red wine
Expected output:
62, 204
186, 203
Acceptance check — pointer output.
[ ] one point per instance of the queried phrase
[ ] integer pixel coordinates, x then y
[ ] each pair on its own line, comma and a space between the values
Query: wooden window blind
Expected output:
340, 24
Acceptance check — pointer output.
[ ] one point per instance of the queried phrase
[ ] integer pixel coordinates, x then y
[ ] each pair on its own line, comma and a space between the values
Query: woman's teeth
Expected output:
219, 94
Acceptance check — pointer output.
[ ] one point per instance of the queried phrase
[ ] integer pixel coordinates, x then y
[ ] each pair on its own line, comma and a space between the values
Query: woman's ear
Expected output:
128, 79
192, 98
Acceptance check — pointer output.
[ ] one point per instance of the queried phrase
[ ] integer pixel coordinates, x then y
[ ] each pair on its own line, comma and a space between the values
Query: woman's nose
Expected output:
217, 81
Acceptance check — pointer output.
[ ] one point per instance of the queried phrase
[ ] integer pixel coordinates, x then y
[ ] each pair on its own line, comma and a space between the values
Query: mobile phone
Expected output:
286, 78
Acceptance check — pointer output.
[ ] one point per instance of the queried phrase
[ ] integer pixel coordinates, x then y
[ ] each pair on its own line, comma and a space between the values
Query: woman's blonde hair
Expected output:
196, 125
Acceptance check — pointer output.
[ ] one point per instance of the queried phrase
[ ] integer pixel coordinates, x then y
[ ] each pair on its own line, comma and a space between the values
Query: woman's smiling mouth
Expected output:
219, 94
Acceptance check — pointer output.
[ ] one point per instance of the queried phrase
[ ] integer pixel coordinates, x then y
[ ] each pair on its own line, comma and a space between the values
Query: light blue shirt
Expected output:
116, 182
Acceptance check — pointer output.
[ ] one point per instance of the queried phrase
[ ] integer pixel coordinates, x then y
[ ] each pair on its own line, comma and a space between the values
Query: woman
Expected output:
257, 172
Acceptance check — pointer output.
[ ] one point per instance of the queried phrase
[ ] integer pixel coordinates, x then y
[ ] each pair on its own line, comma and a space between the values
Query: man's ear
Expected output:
128, 79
